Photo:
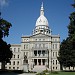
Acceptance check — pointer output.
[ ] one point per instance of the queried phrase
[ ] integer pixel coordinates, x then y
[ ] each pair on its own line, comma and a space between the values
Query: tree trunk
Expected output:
61, 67
73, 68
3, 65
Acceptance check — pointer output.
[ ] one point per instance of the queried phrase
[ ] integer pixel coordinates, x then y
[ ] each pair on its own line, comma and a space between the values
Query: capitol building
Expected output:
38, 51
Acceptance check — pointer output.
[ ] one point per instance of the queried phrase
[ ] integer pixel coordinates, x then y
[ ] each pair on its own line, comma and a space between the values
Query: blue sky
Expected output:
24, 13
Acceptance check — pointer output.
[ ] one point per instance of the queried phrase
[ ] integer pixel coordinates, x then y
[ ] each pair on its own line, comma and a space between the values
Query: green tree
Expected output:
5, 52
67, 47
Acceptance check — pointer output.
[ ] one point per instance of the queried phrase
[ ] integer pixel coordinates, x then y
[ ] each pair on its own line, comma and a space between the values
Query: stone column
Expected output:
32, 53
45, 61
37, 61
41, 53
37, 53
41, 61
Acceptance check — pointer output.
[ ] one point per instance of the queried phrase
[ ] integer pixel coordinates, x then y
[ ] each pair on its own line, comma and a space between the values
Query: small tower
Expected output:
42, 10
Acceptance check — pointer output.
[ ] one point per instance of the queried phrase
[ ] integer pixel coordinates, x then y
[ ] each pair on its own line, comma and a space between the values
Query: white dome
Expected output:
42, 21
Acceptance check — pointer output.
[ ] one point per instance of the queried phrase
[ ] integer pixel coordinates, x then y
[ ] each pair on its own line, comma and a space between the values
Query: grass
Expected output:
56, 73
63, 73
7, 72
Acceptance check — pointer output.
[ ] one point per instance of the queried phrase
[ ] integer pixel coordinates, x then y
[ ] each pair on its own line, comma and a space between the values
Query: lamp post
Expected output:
51, 55
48, 58
51, 60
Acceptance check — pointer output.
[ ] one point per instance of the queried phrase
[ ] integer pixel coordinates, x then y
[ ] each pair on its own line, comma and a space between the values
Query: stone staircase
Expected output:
39, 68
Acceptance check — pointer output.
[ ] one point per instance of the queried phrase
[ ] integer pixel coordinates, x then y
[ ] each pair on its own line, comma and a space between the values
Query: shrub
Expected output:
55, 72
32, 72
45, 71
42, 73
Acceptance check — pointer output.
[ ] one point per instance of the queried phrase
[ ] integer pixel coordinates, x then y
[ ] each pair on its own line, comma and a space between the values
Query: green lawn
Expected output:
63, 73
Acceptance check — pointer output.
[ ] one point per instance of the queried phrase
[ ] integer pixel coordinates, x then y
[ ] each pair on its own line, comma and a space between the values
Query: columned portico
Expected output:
40, 62
40, 53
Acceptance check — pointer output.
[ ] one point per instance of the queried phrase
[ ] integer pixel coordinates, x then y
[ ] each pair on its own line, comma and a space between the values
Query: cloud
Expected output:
3, 3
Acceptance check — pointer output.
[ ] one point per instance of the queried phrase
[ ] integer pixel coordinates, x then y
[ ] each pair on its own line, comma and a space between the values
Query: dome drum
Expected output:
42, 30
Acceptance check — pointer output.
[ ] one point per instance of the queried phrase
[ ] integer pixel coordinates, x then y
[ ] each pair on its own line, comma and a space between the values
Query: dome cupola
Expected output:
42, 20
42, 25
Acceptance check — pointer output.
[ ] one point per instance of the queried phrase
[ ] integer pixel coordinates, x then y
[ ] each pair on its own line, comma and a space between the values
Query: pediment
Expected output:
40, 35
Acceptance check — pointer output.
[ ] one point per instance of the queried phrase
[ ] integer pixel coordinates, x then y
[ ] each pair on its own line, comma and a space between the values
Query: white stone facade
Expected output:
41, 48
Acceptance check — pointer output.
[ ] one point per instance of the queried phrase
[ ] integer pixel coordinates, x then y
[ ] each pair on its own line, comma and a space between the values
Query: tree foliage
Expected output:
4, 27
67, 47
5, 52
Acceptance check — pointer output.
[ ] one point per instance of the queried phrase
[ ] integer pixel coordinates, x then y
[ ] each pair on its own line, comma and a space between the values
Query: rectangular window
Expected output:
53, 67
18, 56
56, 62
24, 46
14, 68
43, 61
26, 53
43, 39
13, 56
43, 52
56, 54
35, 61
39, 52
17, 62
39, 45
53, 46
13, 62
53, 54
46, 52
11, 49
35, 52
17, 68
55, 39
10, 63
35, 45
56, 67
9, 67
39, 39
53, 62
35, 39
43, 45
18, 49
14, 49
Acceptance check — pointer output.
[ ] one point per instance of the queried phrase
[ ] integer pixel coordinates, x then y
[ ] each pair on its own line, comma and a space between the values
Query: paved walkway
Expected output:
27, 74
20, 74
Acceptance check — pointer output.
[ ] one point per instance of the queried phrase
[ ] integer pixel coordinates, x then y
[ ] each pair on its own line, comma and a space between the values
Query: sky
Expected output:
22, 14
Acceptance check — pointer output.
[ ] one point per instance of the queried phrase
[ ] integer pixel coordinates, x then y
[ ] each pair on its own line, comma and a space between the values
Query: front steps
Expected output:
39, 68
